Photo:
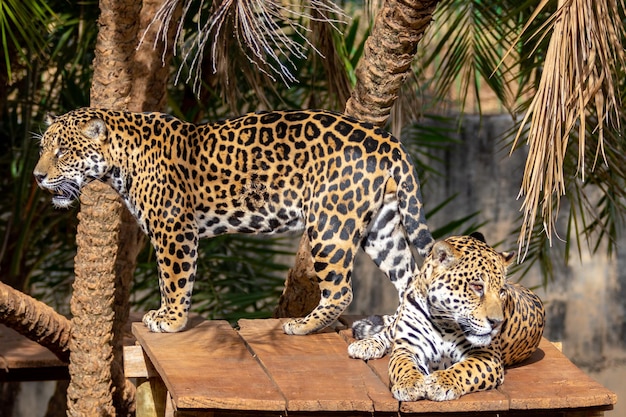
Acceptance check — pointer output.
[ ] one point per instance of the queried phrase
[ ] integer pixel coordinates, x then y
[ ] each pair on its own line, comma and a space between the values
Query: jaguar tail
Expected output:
412, 209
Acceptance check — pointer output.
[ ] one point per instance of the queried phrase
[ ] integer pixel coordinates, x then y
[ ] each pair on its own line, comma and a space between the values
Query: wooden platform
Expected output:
212, 370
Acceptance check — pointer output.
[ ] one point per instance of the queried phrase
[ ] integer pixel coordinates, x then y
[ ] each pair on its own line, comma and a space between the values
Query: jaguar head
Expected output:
466, 287
72, 154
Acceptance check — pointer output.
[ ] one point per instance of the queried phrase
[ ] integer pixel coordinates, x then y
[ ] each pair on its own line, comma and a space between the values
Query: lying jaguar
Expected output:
459, 323
345, 183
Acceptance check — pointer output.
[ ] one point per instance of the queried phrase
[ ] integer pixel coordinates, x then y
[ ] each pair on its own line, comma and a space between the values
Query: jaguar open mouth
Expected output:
64, 195
62, 199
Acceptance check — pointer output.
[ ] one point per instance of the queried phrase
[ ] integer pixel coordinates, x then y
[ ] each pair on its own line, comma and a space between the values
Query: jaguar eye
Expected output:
61, 152
478, 287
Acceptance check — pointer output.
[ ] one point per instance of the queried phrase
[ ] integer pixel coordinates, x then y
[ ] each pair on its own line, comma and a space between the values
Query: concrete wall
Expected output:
585, 303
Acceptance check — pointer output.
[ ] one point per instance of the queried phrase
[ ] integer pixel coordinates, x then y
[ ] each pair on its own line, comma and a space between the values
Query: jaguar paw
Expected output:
158, 321
366, 349
412, 391
439, 387
298, 327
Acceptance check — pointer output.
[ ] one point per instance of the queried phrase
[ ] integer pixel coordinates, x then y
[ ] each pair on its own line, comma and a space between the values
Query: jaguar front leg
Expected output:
176, 254
406, 379
479, 372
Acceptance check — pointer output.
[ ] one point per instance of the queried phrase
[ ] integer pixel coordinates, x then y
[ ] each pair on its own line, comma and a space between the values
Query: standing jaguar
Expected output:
457, 326
345, 183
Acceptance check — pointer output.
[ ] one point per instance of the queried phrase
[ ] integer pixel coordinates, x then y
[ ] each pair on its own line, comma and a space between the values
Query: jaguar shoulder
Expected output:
458, 324
345, 183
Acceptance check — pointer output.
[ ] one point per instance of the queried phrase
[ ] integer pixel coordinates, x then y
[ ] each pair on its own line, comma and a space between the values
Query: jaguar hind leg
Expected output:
388, 247
335, 293
333, 249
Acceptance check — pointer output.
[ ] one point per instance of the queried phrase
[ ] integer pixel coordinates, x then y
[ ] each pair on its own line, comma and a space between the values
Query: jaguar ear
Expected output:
507, 257
96, 130
445, 254
50, 118
478, 236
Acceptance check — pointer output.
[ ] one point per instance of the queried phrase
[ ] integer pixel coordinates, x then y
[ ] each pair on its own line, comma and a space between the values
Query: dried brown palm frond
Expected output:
270, 33
338, 83
579, 74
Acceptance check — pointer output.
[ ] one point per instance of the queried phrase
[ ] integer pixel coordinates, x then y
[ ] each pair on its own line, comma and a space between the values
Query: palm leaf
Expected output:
265, 32
579, 73
20, 23
464, 54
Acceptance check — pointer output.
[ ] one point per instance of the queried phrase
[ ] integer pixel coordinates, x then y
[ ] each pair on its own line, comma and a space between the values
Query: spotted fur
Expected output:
345, 183
458, 325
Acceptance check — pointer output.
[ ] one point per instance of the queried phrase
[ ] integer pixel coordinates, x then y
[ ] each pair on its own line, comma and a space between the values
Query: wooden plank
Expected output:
480, 401
314, 372
548, 380
380, 367
150, 397
137, 364
483, 402
208, 366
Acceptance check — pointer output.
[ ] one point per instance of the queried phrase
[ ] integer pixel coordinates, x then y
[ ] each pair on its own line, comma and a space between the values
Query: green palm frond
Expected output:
20, 29
466, 48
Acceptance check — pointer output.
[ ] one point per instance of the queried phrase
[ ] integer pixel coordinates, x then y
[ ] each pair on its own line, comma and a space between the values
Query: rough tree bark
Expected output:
302, 292
35, 320
108, 236
384, 66
151, 68
107, 239
387, 58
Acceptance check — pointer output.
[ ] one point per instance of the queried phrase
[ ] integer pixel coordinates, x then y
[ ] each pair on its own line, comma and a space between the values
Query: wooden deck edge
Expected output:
165, 346
137, 364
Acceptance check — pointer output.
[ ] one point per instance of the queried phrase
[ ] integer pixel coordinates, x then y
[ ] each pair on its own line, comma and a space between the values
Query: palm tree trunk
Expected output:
387, 57
385, 64
106, 240
302, 292
108, 236
151, 68
91, 350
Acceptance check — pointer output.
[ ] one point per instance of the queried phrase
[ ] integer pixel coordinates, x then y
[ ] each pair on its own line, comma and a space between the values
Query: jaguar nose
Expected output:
39, 177
495, 322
